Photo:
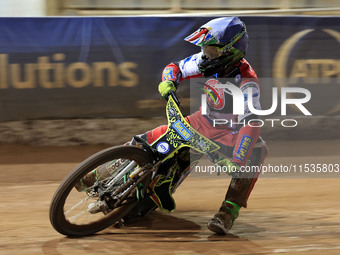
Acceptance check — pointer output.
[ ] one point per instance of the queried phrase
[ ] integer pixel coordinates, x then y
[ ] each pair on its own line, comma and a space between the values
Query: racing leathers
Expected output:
235, 136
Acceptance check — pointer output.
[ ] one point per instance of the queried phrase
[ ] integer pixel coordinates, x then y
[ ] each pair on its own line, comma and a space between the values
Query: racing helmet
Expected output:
223, 41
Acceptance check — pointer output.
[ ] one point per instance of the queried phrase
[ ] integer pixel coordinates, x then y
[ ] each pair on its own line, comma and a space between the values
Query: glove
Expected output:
228, 166
165, 87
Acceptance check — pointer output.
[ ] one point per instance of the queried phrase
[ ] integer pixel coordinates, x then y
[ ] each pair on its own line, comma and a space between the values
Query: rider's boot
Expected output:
101, 172
224, 219
87, 181
236, 197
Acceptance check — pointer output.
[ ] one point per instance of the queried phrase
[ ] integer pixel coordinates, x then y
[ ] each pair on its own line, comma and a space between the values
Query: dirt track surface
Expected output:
284, 215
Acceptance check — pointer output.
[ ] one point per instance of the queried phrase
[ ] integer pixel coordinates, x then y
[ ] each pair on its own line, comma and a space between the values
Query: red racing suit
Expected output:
235, 140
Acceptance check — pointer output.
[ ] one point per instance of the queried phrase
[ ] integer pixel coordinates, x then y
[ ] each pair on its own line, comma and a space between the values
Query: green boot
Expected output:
224, 219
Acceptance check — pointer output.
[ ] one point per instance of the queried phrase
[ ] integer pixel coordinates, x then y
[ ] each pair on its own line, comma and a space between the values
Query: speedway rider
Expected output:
223, 43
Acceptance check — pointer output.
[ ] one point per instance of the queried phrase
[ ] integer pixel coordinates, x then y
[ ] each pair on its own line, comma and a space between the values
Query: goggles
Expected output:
216, 50
212, 52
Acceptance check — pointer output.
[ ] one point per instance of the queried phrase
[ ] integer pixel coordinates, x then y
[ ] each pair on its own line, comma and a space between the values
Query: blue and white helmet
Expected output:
224, 41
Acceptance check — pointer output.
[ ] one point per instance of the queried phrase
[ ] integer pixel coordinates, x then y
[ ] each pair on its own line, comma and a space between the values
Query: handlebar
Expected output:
174, 96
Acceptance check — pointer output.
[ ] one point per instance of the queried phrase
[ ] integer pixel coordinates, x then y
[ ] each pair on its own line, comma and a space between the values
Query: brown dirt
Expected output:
284, 215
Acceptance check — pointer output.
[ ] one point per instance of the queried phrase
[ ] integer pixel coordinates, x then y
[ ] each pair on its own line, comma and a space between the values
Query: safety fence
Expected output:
109, 67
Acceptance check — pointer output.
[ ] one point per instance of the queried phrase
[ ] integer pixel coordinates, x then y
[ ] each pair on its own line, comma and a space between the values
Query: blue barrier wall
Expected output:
110, 67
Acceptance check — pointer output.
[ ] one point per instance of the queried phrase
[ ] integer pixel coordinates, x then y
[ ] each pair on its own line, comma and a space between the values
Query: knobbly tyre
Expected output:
124, 182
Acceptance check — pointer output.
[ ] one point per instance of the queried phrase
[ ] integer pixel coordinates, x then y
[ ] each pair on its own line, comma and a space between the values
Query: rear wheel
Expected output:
70, 212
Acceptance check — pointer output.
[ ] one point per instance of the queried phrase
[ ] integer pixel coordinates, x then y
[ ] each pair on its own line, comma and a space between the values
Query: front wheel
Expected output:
69, 210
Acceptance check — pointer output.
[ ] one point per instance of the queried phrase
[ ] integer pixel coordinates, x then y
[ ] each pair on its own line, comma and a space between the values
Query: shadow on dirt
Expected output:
154, 233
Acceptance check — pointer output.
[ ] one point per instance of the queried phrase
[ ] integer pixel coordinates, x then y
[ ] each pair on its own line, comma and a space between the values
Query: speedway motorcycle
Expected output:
129, 181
